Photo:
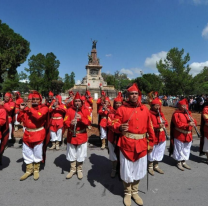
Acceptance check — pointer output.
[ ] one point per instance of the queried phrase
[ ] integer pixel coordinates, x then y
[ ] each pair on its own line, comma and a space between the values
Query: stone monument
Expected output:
93, 81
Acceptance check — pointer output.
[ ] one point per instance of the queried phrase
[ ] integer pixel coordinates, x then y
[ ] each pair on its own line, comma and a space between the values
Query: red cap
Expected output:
183, 102
156, 101
103, 93
119, 94
71, 92
118, 99
59, 98
8, 94
36, 94
30, 96
156, 93
50, 93
134, 88
88, 93
83, 98
77, 96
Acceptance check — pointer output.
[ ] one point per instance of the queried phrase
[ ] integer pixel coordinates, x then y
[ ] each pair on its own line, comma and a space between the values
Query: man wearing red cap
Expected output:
100, 102
57, 113
133, 121
9, 105
112, 136
159, 123
89, 103
69, 100
77, 119
50, 101
181, 134
4, 127
18, 101
34, 117
204, 132
103, 114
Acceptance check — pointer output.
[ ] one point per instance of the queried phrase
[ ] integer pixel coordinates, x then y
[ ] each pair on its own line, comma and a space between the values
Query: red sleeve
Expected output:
38, 114
178, 123
205, 114
150, 131
20, 116
85, 117
67, 119
10, 106
109, 121
2, 117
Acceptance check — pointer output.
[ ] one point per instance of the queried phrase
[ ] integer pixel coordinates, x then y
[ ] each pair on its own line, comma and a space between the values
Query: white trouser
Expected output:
157, 152
205, 147
103, 133
76, 153
10, 130
16, 122
112, 155
31, 155
131, 171
181, 150
56, 136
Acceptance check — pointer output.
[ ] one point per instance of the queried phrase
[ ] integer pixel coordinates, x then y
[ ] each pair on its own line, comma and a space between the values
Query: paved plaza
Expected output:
188, 188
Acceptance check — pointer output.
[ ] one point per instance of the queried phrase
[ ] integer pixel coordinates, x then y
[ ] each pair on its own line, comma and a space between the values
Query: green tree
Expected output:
72, 79
175, 72
8, 84
14, 50
36, 71
57, 86
200, 82
51, 65
66, 82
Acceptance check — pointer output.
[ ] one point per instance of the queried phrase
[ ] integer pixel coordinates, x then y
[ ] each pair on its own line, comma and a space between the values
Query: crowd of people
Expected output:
135, 135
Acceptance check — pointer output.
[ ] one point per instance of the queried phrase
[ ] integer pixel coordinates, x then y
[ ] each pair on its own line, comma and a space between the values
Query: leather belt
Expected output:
56, 117
78, 132
159, 130
34, 130
134, 136
103, 117
183, 131
206, 124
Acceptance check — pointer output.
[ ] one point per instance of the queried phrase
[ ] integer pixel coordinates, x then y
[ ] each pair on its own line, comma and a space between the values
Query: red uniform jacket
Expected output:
82, 124
69, 104
33, 118
56, 124
181, 121
159, 134
99, 103
4, 129
48, 104
10, 107
18, 101
89, 103
139, 122
104, 116
3, 115
203, 129
111, 136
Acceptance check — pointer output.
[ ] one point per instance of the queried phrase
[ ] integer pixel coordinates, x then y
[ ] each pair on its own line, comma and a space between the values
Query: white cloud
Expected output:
205, 32
78, 81
150, 62
137, 70
126, 71
196, 67
108, 55
198, 2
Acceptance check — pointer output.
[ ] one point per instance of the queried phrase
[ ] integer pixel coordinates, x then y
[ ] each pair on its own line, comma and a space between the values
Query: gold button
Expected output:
137, 119
137, 127
136, 112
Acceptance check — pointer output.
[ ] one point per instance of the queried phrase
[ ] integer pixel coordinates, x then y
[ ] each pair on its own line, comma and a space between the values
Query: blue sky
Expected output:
132, 34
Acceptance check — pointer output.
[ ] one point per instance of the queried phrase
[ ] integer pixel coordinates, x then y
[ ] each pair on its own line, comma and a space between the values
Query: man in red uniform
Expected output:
77, 119
159, 123
103, 114
89, 102
133, 121
69, 100
181, 134
57, 113
50, 100
4, 130
9, 105
18, 101
204, 132
34, 117
112, 136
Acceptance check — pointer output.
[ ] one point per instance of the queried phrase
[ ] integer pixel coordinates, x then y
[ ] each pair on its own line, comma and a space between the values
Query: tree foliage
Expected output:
14, 50
149, 82
69, 81
174, 72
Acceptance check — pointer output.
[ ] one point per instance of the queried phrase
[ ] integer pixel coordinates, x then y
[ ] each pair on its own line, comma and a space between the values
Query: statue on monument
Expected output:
89, 58
94, 44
